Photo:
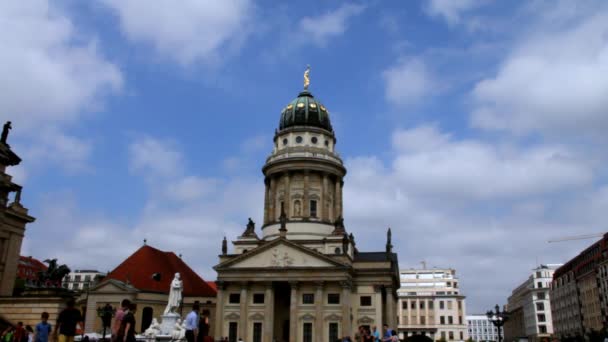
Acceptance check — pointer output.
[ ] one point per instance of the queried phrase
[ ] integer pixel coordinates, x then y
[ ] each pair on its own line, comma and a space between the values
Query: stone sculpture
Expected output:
5, 129
175, 295
153, 330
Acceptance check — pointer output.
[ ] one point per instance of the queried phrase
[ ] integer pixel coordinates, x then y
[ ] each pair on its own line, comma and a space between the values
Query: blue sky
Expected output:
473, 128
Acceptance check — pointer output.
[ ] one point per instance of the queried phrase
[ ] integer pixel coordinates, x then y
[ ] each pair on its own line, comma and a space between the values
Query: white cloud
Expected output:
451, 10
190, 188
408, 82
155, 157
472, 205
330, 24
187, 31
50, 73
52, 146
553, 81
432, 163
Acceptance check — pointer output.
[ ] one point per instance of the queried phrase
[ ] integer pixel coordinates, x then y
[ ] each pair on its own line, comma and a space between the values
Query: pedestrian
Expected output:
20, 334
376, 334
192, 323
30, 333
388, 335
43, 329
359, 333
7, 335
367, 336
67, 321
394, 337
127, 328
120, 313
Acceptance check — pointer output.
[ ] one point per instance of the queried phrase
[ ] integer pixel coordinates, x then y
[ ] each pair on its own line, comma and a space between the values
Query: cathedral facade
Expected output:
302, 278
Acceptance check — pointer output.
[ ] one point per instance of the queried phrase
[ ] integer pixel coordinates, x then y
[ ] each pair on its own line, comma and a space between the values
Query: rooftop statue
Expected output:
307, 77
5, 129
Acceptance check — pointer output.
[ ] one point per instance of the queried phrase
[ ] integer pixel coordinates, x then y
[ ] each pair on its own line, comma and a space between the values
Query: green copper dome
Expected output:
304, 110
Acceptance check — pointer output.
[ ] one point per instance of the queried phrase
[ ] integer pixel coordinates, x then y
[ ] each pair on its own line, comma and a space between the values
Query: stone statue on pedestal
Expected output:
175, 295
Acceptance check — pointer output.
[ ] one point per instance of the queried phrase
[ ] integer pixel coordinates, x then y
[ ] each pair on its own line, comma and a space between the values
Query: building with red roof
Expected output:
144, 278
28, 269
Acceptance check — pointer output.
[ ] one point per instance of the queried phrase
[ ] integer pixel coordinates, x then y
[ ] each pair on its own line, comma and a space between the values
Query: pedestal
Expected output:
168, 323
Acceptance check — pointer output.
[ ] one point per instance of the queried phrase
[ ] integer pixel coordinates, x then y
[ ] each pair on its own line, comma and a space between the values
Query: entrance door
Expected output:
282, 302
146, 318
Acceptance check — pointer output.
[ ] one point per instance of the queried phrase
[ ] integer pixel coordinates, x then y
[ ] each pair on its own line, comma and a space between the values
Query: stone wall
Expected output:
28, 310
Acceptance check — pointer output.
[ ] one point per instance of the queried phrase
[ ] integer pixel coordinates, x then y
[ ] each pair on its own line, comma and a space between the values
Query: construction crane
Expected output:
577, 237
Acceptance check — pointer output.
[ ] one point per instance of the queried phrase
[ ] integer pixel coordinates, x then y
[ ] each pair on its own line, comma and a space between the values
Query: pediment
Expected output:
307, 317
112, 286
257, 317
333, 317
365, 320
281, 254
232, 316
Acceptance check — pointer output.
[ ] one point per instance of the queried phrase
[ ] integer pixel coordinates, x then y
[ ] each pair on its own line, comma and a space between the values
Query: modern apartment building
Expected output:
430, 303
481, 329
579, 293
81, 280
530, 306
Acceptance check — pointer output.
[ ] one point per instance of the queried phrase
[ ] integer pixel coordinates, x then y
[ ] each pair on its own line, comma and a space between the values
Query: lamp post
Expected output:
498, 318
106, 313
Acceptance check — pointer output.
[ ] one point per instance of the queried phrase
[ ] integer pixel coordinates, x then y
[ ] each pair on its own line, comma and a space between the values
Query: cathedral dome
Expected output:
305, 110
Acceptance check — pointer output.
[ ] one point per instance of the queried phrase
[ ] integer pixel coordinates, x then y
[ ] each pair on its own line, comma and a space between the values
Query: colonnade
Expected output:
326, 211
317, 313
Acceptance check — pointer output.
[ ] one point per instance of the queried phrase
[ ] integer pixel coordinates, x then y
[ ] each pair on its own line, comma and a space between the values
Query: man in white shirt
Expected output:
192, 323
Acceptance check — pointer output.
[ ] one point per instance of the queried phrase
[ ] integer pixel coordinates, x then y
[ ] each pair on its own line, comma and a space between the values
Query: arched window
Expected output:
313, 208
146, 318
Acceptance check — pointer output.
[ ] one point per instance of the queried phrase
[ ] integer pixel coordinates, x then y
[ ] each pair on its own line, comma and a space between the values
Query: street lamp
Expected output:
106, 313
498, 318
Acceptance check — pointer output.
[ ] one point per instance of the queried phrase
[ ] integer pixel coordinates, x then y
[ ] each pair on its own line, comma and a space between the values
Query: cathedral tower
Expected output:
303, 279
303, 174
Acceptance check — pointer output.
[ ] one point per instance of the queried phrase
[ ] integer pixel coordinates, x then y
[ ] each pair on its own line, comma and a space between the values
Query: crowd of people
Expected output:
365, 334
123, 327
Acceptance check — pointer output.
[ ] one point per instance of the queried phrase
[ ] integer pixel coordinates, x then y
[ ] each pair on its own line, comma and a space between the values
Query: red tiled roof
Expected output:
213, 285
141, 265
29, 267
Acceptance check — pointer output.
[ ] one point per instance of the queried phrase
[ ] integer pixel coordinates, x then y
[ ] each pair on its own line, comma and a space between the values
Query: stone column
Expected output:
273, 200
268, 313
287, 198
293, 312
219, 311
319, 312
390, 308
306, 204
324, 210
346, 308
337, 198
379, 308
244, 324
266, 200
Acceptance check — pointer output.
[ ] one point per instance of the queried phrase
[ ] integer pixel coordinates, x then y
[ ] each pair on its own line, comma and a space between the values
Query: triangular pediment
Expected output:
281, 253
112, 286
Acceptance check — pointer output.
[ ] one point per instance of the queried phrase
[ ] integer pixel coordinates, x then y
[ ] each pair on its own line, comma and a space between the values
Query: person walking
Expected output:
375, 334
67, 321
120, 314
29, 333
20, 333
192, 323
126, 332
42, 329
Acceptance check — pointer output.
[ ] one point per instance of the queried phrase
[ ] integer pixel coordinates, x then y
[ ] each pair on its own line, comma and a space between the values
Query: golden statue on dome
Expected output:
307, 77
